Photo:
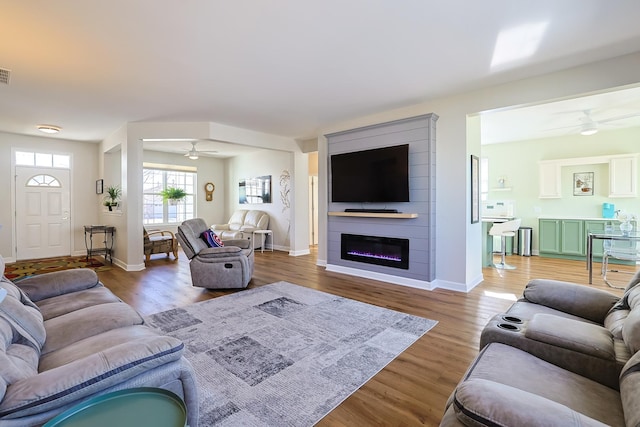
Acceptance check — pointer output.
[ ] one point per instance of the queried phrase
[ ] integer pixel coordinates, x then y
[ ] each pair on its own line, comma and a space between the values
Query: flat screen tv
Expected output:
380, 175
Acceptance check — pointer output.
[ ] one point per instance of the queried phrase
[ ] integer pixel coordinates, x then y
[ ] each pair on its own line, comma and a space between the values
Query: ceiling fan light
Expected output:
588, 129
50, 129
193, 156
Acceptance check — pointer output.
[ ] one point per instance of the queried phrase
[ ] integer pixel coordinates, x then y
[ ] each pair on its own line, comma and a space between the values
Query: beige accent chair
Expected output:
159, 242
242, 224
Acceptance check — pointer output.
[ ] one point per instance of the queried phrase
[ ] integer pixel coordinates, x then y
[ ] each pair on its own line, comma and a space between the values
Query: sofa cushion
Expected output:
67, 329
581, 337
189, 236
86, 376
211, 239
18, 357
23, 315
48, 285
629, 386
590, 303
481, 402
631, 331
237, 219
67, 303
515, 368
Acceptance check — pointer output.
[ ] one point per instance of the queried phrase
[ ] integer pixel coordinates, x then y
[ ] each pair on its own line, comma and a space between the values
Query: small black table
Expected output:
107, 243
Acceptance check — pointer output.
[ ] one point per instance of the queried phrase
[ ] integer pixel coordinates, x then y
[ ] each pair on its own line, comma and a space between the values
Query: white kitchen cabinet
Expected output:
623, 176
550, 174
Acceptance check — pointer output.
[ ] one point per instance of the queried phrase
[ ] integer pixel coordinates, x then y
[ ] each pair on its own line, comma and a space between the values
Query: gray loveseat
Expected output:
564, 354
65, 338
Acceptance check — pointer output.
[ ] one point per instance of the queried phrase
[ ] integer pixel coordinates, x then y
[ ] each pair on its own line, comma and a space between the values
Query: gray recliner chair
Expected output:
227, 267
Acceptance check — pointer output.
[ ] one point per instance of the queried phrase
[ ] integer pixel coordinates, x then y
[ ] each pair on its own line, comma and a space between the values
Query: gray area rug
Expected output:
283, 354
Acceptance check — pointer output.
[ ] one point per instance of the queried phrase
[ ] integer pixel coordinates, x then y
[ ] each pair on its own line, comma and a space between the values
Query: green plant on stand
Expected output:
173, 195
113, 196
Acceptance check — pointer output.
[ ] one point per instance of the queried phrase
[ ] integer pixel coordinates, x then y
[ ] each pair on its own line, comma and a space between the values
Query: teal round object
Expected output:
136, 407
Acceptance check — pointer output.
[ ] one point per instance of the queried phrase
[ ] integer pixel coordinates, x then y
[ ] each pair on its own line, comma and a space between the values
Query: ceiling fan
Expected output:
193, 153
589, 126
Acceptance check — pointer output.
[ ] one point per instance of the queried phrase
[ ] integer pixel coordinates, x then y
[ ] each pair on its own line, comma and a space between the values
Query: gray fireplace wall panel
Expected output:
419, 133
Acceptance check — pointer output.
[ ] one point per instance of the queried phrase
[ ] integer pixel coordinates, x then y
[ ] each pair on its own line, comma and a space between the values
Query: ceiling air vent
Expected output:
4, 76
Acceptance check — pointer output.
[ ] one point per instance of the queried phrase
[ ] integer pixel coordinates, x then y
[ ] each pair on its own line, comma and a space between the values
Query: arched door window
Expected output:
43, 181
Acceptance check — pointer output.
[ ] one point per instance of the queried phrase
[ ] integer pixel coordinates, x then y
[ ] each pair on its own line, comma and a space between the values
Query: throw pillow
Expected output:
211, 239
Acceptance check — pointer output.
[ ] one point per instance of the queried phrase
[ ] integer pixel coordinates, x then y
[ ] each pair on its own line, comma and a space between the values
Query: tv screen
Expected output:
377, 175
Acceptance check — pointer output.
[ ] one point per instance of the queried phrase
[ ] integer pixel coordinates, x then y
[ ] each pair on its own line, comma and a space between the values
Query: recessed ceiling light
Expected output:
50, 129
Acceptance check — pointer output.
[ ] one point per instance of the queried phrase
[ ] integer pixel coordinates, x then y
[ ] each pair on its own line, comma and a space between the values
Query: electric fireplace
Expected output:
387, 251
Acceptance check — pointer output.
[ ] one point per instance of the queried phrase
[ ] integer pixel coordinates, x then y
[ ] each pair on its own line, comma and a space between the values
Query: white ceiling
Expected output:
284, 67
610, 111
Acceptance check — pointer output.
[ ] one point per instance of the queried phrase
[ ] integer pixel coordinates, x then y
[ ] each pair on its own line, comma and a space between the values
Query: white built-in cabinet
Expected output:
623, 174
550, 187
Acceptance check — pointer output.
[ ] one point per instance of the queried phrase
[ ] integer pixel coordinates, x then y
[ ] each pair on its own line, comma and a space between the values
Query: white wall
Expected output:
85, 203
265, 162
454, 230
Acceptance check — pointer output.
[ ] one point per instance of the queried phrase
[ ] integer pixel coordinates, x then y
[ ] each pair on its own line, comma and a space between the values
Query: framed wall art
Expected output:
583, 184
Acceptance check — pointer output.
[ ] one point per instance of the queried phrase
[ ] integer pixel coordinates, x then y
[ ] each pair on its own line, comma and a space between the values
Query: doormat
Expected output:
283, 354
22, 269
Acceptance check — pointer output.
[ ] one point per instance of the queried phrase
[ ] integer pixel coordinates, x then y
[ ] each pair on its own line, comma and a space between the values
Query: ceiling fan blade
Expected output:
613, 119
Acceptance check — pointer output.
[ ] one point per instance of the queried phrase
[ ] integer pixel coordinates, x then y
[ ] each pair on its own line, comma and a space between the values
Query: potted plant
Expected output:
173, 194
113, 196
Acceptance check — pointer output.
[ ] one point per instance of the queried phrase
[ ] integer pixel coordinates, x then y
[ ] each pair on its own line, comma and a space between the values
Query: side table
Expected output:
107, 243
136, 407
263, 235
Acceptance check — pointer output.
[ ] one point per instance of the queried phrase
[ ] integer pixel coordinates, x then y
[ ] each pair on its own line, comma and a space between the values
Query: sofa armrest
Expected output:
240, 243
582, 301
82, 378
220, 227
480, 402
43, 286
248, 228
573, 335
224, 251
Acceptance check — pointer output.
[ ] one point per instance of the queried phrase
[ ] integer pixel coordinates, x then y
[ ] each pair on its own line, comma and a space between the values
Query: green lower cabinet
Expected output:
549, 236
572, 237
567, 238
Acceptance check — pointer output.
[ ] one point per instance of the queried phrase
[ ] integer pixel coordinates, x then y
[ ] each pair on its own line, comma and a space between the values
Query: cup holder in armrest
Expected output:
508, 327
512, 319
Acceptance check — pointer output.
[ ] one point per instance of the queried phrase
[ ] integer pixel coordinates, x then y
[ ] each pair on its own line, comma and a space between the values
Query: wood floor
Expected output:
411, 390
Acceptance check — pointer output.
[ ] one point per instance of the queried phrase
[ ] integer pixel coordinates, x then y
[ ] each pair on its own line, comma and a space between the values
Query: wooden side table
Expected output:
263, 235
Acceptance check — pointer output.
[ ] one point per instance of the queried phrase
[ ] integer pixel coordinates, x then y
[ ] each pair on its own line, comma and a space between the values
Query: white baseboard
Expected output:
396, 280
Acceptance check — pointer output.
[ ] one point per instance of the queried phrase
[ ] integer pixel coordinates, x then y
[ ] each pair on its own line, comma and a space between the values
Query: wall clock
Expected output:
209, 188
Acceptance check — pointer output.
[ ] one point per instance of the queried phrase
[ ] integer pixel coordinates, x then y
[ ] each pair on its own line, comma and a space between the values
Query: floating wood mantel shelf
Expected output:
375, 214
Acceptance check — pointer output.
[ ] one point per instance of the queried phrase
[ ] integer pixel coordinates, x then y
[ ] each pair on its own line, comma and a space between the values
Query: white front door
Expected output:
43, 226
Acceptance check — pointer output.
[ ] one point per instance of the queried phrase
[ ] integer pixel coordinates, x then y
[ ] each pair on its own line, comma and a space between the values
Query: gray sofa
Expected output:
227, 267
564, 354
65, 338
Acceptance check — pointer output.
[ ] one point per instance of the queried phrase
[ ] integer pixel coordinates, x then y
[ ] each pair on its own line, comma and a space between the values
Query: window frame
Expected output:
184, 209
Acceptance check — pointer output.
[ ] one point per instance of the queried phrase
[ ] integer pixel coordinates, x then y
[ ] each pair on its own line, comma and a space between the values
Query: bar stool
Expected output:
504, 230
